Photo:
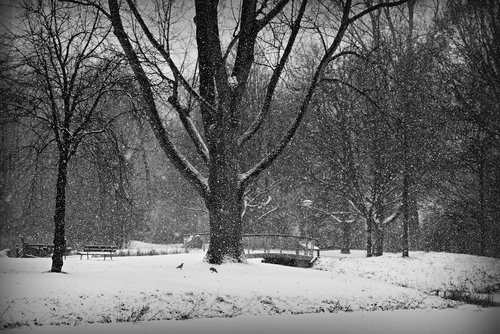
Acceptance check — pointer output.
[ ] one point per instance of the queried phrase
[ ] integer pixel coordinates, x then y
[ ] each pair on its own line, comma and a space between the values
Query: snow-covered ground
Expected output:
148, 294
143, 248
428, 272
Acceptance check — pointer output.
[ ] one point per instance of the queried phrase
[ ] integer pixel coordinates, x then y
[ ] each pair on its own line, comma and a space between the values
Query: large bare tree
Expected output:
224, 63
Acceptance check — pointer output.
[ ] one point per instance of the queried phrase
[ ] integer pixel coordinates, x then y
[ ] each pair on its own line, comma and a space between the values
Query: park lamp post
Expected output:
345, 224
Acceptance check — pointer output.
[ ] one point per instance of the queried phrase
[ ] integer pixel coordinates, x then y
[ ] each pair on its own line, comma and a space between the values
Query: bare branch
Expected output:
265, 214
89, 4
166, 56
271, 157
191, 129
274, 79
376, 7
272, 13
180, 162
353, 87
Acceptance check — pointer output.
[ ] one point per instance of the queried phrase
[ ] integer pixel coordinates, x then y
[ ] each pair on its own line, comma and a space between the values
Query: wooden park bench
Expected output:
103, 250
38, 250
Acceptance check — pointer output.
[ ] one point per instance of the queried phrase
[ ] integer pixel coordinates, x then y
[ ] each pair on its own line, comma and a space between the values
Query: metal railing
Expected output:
266, 243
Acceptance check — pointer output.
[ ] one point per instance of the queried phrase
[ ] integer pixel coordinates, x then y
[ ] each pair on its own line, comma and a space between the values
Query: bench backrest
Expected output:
99, 248
41, 250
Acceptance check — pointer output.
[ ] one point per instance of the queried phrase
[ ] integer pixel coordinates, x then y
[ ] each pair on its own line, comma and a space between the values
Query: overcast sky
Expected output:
5, 13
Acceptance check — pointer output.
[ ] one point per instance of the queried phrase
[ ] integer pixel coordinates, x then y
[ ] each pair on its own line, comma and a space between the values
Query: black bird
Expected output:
180, 266
212, 269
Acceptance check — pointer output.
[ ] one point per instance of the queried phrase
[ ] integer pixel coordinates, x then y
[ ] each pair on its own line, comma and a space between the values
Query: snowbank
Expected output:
5, 253
429, 272
131, 290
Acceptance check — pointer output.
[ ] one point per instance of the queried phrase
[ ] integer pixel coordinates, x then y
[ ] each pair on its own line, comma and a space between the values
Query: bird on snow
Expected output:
212, 269
180, 266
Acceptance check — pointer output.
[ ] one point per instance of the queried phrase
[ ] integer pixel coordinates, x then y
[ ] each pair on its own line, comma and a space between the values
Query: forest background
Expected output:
408, 115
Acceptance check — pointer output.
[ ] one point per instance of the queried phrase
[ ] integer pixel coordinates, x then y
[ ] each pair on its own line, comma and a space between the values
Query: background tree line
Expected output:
400, 146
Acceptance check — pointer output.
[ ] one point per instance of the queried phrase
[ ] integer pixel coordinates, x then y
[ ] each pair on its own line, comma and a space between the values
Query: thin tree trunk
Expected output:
346, 237
482, 206
414, 232
405, 141
369, 225
378, 244
60, 215
405, 209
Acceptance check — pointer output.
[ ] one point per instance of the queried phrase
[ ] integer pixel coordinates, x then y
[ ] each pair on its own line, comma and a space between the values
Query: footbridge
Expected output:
291, 250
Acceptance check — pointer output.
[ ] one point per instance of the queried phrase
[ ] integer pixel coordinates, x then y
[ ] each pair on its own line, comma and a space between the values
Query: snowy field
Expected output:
143, 248
347, 294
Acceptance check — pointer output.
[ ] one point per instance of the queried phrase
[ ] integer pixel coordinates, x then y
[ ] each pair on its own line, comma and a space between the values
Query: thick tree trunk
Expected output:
225, 207
225, 201
60, 215
225, 228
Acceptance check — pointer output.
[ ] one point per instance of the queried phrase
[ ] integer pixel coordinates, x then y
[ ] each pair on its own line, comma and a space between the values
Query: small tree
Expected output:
63, 72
